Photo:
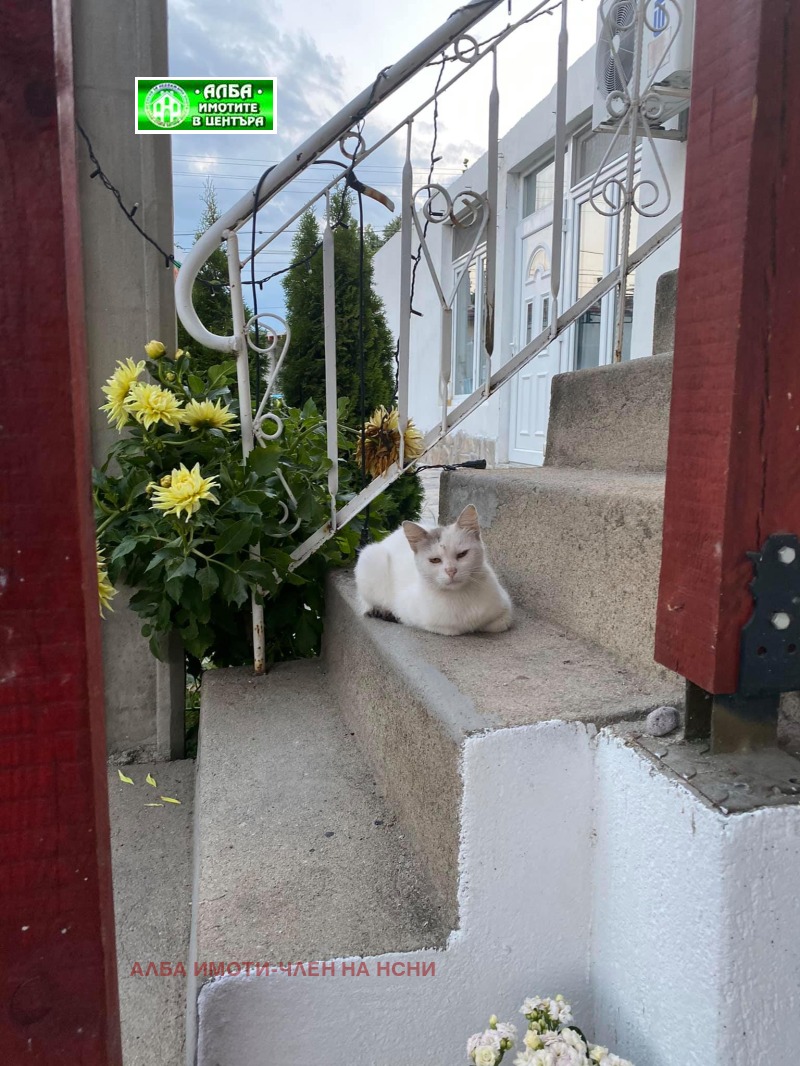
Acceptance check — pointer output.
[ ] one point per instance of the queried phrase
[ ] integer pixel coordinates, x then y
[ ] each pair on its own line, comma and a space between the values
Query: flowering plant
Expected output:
551, 1039
177, 510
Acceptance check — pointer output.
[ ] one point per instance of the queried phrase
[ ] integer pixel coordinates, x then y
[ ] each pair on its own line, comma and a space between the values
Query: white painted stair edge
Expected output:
672, 928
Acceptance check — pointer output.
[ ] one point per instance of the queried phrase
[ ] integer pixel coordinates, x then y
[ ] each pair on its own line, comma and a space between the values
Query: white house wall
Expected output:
521, 148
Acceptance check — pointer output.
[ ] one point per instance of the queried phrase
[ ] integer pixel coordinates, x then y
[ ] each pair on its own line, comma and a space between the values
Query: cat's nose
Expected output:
451, 571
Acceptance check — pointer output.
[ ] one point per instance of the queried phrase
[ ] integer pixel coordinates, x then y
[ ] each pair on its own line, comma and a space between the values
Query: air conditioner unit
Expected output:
666, 59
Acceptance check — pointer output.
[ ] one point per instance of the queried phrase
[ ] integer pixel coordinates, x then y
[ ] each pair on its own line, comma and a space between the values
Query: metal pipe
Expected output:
329, 316
404, 333
245, 414
491, 226
633, 119
558, 171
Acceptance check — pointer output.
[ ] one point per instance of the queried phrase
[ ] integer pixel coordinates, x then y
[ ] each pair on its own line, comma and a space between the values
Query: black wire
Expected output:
169, 260
257, 354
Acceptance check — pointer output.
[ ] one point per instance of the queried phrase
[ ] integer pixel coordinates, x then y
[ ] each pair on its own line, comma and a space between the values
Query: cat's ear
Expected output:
415, 535
468, 520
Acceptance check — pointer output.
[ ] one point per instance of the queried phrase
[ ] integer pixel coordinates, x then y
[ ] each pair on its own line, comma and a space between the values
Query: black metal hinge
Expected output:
770, 648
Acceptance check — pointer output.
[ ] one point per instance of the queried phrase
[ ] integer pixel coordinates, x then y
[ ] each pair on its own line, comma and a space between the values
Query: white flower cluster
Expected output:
549, 1039
487, 1048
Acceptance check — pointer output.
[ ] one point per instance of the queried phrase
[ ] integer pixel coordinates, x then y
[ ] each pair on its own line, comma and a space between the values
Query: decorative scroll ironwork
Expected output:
635, 112
636, 108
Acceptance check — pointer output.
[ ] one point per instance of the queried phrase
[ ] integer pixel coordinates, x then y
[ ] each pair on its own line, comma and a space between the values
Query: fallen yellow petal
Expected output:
154, 804
151, 780
169, 799
122, 777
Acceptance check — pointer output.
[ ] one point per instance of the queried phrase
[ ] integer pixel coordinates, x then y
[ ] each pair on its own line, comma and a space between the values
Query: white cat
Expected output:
435, 579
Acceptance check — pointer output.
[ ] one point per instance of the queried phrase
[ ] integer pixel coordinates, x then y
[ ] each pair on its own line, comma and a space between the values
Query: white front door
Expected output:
530, 395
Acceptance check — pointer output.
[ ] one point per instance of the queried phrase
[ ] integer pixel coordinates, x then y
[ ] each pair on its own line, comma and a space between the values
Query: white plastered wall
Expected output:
672, 928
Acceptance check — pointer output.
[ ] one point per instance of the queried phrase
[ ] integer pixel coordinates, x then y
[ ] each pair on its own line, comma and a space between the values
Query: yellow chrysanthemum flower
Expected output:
185, 492
154, 349
105, 590
150, 404
203, 414
118, 388
382, 441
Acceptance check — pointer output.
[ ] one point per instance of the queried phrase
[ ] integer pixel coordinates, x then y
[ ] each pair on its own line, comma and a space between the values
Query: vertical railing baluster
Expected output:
404, 333
446, 361
245, 414
624, 237
491, 228
329, 317
558, 172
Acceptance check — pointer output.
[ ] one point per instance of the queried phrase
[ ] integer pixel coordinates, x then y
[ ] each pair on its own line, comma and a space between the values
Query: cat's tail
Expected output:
372, 579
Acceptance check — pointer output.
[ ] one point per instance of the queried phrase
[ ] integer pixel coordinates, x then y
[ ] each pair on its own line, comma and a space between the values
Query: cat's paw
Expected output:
385, 616
498, 625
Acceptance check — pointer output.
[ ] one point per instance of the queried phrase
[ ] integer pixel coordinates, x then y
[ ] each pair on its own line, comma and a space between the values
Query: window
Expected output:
537, 189
539, 264
591, 269
469, 366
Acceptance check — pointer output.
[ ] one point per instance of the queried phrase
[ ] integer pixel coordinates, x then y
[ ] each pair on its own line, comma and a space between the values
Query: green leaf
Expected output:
208, 581
265, 460
181, 567
125, 547
234, 588
234, 537
196, 384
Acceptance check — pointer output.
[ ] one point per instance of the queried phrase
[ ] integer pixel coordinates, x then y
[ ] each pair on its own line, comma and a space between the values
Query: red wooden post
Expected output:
59, 990
733, 471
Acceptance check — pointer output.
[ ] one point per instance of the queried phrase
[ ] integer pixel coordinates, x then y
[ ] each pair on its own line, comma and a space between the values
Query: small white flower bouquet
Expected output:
551, 1039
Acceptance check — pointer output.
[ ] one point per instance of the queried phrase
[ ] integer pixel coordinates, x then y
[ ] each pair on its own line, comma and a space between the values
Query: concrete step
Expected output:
151, 853
578, 548
299, 856
412, 698
612, 417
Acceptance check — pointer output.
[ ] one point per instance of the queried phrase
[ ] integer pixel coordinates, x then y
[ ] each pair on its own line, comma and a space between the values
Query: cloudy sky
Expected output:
324, 52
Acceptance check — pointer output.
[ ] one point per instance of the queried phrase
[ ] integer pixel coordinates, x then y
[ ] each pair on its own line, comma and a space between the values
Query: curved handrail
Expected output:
384, 85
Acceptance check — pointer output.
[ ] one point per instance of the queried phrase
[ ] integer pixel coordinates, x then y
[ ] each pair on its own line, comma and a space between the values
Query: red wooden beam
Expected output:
58, 985
733, 470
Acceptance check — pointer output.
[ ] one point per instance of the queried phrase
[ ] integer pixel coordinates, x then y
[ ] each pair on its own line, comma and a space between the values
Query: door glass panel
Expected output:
480, 346
465, 331
529, 321
591, 254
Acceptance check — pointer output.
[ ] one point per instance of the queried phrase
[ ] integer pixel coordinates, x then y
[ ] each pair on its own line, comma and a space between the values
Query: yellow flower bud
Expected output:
154, 349
170, 376
493, 1022
166, 481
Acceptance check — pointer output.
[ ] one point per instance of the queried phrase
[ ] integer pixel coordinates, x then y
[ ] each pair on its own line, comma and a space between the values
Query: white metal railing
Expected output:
634, 111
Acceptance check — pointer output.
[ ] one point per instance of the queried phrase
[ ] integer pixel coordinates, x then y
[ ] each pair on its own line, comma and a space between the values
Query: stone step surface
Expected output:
612, 417
578, 548
299, 856
151, 854
412, 698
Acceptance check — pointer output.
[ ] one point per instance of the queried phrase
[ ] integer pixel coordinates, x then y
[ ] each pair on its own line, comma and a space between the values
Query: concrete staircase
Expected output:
455, 823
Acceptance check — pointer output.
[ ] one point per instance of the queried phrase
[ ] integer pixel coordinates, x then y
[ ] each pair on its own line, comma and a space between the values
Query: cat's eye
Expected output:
462, 554
436, 559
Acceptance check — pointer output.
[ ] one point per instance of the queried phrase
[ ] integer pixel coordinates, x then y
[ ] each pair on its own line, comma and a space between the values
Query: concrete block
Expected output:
580, 549
412, 698
612, 417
